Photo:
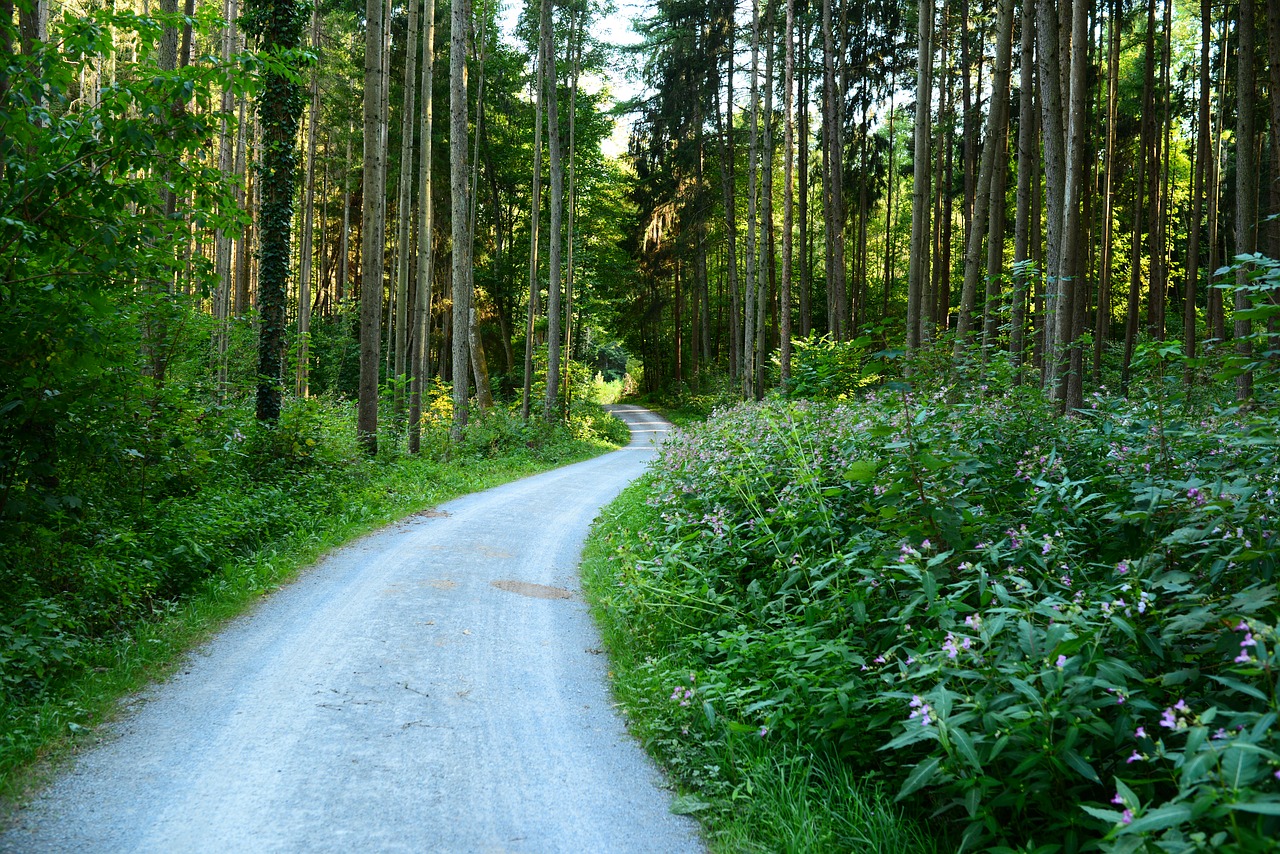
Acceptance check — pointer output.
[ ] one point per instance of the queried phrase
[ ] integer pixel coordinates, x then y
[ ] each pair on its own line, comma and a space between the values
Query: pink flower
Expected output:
1126, 817
1117, 799
1062, 662
764, 730
1135, 757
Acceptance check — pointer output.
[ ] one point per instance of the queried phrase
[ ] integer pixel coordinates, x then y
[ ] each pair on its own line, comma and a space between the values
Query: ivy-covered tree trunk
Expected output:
278, 25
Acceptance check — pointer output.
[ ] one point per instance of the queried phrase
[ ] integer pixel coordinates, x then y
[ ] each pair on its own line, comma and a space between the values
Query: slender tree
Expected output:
459, 192
372, 222
1246, 183
421, 349
918, 268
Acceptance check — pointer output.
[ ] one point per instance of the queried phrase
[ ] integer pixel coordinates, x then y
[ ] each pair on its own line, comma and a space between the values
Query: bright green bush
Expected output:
1057, 632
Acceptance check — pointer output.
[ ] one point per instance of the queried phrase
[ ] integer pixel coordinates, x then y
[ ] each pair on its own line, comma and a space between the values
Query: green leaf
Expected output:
1162, 818
964, 746
1080, 766
1259, 807
920, 776
688, 805
861, 471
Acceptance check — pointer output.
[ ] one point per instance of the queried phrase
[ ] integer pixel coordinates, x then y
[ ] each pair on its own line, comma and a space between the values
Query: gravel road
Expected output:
435, 686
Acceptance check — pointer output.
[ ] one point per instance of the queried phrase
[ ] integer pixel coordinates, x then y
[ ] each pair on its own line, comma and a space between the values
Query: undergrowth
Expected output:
1054, 634
754, 791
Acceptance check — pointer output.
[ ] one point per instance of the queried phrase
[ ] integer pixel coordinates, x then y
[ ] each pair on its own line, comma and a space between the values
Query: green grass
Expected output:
37, 735
751, 792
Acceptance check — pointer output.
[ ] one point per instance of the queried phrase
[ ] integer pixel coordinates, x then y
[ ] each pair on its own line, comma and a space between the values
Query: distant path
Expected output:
435, 687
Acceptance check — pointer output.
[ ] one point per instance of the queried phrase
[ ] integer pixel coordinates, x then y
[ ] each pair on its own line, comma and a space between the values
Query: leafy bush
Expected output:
1059, 632
825, 369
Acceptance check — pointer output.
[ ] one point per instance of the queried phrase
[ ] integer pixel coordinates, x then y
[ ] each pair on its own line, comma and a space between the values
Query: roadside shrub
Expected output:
1057, 632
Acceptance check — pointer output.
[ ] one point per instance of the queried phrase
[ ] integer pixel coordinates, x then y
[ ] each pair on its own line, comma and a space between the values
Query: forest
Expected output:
982, 302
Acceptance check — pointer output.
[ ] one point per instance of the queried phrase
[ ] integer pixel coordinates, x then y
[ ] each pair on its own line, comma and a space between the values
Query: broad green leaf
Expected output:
920, 776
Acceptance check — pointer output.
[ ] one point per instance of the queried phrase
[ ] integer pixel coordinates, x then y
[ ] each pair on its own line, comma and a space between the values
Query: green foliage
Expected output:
87, 256
825, 369
1057, 632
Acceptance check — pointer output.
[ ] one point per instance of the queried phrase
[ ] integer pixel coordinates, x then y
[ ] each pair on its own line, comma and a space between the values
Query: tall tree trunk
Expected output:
1246, 184
302, 378
535, 222
989, 192
1202, 170
551, 403
372, 223
421, 349
222, 240
788, 192
460, 196
404, 215
279, 108
753, 193
1026, 165
479, 362
1052, 64
1073, 257
1215, 311
1102, 326
802, 166
724, 138
918, 268
243, 193
575, 50
766, 275
833, 200
344, 241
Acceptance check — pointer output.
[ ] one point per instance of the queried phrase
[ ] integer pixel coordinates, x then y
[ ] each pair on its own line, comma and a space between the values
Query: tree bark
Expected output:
788, 192
989, 192
459, 193
404, 215
421, 349
550, 407
833, 201
302, 379
372, 222
535, 222
1246, 185
918, 265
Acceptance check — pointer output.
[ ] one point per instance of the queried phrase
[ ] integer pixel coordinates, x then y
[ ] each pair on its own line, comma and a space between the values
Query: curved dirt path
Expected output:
436, 686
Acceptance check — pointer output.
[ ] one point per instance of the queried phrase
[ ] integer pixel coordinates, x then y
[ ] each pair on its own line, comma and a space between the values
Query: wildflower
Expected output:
973, 621
1167, 720
921, 710
1062, 662
1117, 799
949, 646
1248, 640
1140, 732
764, 730
1126, 817
1135, 757
1220, 734
1122, 567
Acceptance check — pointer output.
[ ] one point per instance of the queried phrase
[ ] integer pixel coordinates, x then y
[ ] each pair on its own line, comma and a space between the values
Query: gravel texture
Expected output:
435, 686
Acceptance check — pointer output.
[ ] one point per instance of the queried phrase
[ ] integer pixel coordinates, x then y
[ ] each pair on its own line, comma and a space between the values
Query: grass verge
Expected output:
751, 791
36, 734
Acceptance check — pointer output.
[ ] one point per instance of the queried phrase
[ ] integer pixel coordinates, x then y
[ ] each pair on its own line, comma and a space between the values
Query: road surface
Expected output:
435, 686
